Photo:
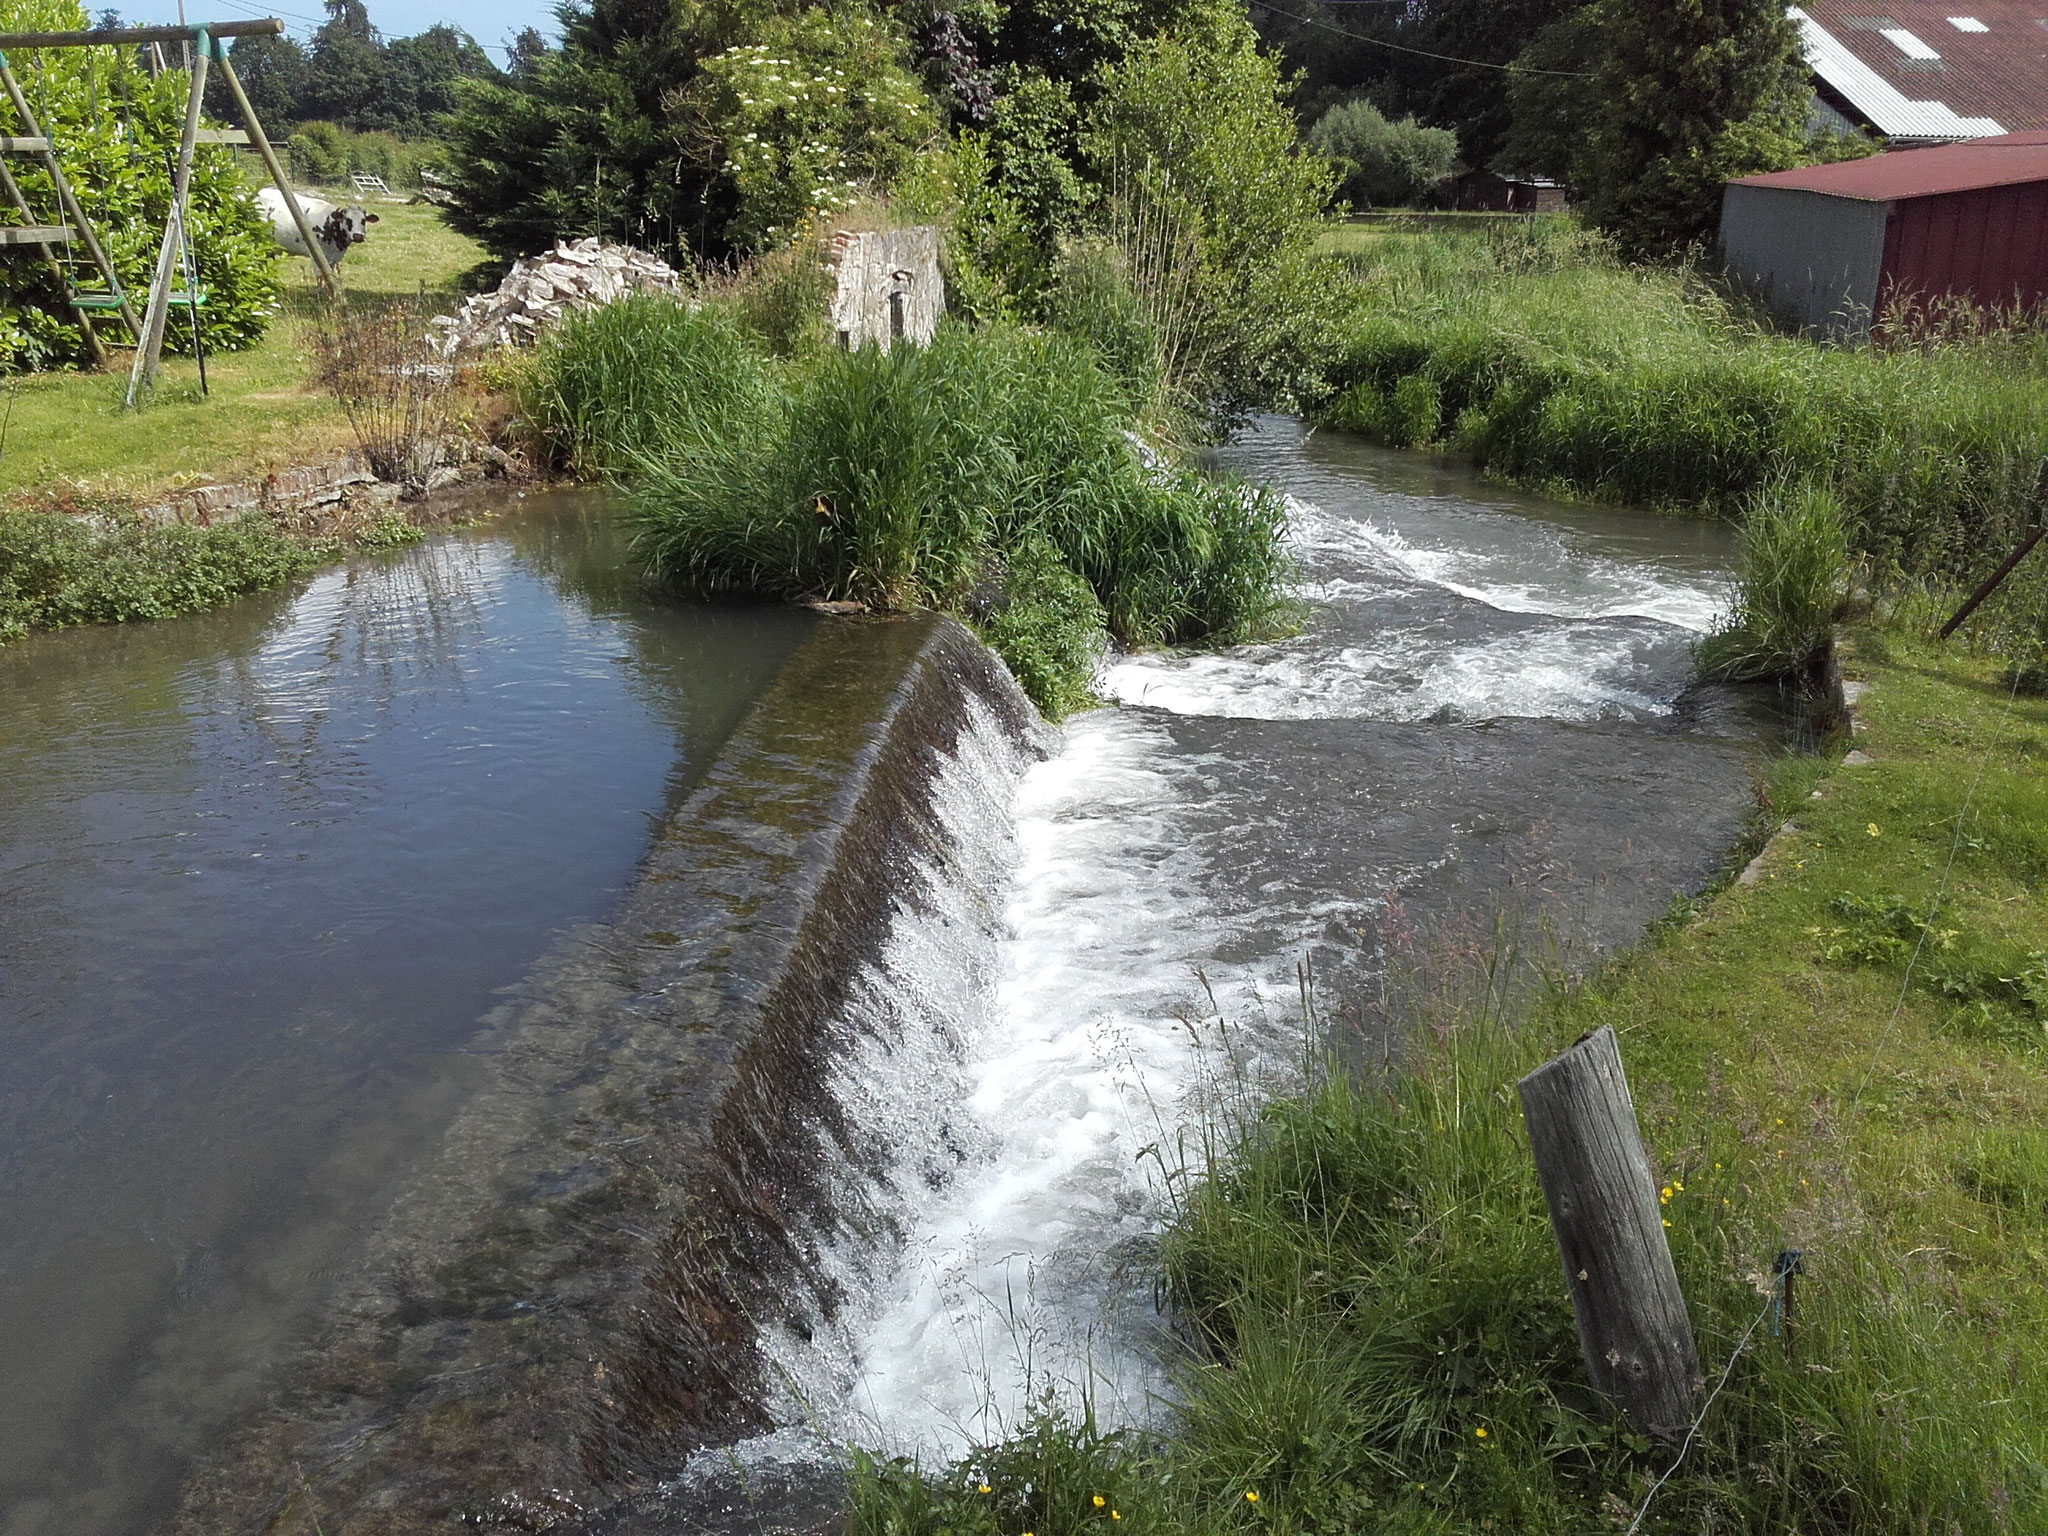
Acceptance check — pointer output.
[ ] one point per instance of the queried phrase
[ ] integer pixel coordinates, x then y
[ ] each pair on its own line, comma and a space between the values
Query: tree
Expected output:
1383, 162
585, 144
347, 80
273, 75
1552, 101
1680, 98
420, 74
524, 56
1456, 74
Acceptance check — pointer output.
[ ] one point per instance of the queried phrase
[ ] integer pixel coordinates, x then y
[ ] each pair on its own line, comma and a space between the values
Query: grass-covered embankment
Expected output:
1529, 348
1381, 1340
74, 462
67, 433
996, 474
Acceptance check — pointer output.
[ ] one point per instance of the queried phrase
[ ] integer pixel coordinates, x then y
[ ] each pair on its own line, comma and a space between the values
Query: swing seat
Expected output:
108, 301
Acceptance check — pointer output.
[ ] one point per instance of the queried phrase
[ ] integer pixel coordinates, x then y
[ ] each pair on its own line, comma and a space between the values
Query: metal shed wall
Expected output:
1990, 243
1817, 259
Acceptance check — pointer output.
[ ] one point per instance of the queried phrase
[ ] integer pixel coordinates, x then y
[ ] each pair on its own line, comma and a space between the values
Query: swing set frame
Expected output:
208, 50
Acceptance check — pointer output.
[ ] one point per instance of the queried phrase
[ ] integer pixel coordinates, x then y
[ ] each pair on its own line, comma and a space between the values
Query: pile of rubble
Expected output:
539, 289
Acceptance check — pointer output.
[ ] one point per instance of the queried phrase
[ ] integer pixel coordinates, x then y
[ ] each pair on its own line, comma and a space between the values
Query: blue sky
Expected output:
491, 22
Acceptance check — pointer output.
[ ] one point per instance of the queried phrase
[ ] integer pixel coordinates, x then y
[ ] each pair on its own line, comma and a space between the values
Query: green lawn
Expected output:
68, 433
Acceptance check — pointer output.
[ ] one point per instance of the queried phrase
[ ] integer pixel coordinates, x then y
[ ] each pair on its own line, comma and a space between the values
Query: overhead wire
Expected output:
1420, 53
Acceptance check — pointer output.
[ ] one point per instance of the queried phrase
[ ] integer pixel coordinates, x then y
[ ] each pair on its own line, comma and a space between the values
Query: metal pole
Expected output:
149, 359
270, 163
65, 197
1991, 583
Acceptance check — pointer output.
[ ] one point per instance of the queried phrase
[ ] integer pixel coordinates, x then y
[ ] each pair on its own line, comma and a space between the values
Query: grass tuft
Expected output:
1794, 582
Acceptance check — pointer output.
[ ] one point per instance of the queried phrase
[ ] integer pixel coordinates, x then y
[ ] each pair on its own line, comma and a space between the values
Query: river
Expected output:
271, 873
264, 871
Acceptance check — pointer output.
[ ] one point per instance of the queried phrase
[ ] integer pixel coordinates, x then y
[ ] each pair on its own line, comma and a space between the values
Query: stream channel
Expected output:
471, 1035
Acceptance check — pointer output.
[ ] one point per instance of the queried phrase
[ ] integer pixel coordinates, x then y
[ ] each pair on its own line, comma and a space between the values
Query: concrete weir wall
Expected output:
563, 1303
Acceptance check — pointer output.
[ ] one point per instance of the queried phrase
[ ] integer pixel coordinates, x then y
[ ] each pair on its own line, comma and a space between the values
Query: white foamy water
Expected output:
1407, 602
1034, 1037
1036, 1059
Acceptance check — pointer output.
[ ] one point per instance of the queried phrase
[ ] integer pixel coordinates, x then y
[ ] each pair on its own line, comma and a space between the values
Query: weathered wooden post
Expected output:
1633, 1326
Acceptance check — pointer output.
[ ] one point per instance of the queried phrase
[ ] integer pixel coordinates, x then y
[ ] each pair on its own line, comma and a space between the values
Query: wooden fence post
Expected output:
1633, 1326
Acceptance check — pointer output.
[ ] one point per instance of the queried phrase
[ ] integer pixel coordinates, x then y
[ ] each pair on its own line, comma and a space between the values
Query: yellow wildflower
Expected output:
1480, 1432
1872, 829
1100, 1501
1251, 1496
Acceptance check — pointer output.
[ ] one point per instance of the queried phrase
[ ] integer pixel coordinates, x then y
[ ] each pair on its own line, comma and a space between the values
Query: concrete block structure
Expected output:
888, 286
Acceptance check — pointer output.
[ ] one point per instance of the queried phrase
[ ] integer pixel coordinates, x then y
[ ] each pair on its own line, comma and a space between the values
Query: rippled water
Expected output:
1487, 705
262, 872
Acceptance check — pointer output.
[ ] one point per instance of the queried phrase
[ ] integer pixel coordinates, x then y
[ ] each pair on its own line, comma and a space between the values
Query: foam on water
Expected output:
1046, 1015
1036, 1058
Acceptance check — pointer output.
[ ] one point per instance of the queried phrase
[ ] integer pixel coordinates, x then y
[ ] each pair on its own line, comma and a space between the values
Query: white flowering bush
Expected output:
822, 109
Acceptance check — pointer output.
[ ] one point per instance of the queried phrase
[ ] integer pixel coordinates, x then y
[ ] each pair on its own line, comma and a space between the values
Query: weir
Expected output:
848, 1125
565, 1302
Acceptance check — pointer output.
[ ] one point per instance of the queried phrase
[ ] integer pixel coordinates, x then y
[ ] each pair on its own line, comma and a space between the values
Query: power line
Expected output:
1420, 53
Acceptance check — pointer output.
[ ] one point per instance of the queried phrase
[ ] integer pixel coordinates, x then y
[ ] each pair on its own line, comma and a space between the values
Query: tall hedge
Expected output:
116, 130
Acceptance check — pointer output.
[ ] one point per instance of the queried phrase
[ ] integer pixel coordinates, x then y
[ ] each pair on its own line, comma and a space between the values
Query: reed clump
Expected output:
921, 477
1792, 588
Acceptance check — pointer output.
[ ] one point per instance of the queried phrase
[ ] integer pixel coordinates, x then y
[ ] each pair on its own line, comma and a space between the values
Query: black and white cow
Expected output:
335, 227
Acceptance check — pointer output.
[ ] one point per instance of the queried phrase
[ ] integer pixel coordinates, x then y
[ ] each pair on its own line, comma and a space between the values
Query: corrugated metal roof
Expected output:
1932, 69
1907, 173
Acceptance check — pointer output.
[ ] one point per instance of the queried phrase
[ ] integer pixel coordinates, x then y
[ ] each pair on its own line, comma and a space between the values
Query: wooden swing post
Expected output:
149, 354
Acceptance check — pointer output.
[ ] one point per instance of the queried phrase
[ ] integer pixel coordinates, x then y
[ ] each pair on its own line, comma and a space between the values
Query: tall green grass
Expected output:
1793, 585
1534, 351
910, 479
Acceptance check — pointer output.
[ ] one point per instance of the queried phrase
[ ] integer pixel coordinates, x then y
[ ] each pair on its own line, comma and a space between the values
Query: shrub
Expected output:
58, 570
817, 105
1383, 163
1192, 133
327, 154
383, 368
1046, 624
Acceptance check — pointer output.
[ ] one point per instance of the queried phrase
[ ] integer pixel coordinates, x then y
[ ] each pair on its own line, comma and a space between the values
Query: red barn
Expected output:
1831, 245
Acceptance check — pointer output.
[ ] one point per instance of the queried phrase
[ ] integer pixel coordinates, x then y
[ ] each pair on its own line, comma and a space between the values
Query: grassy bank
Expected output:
995, 474
66, 434
68, 447
1526, 347
1380, 1337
